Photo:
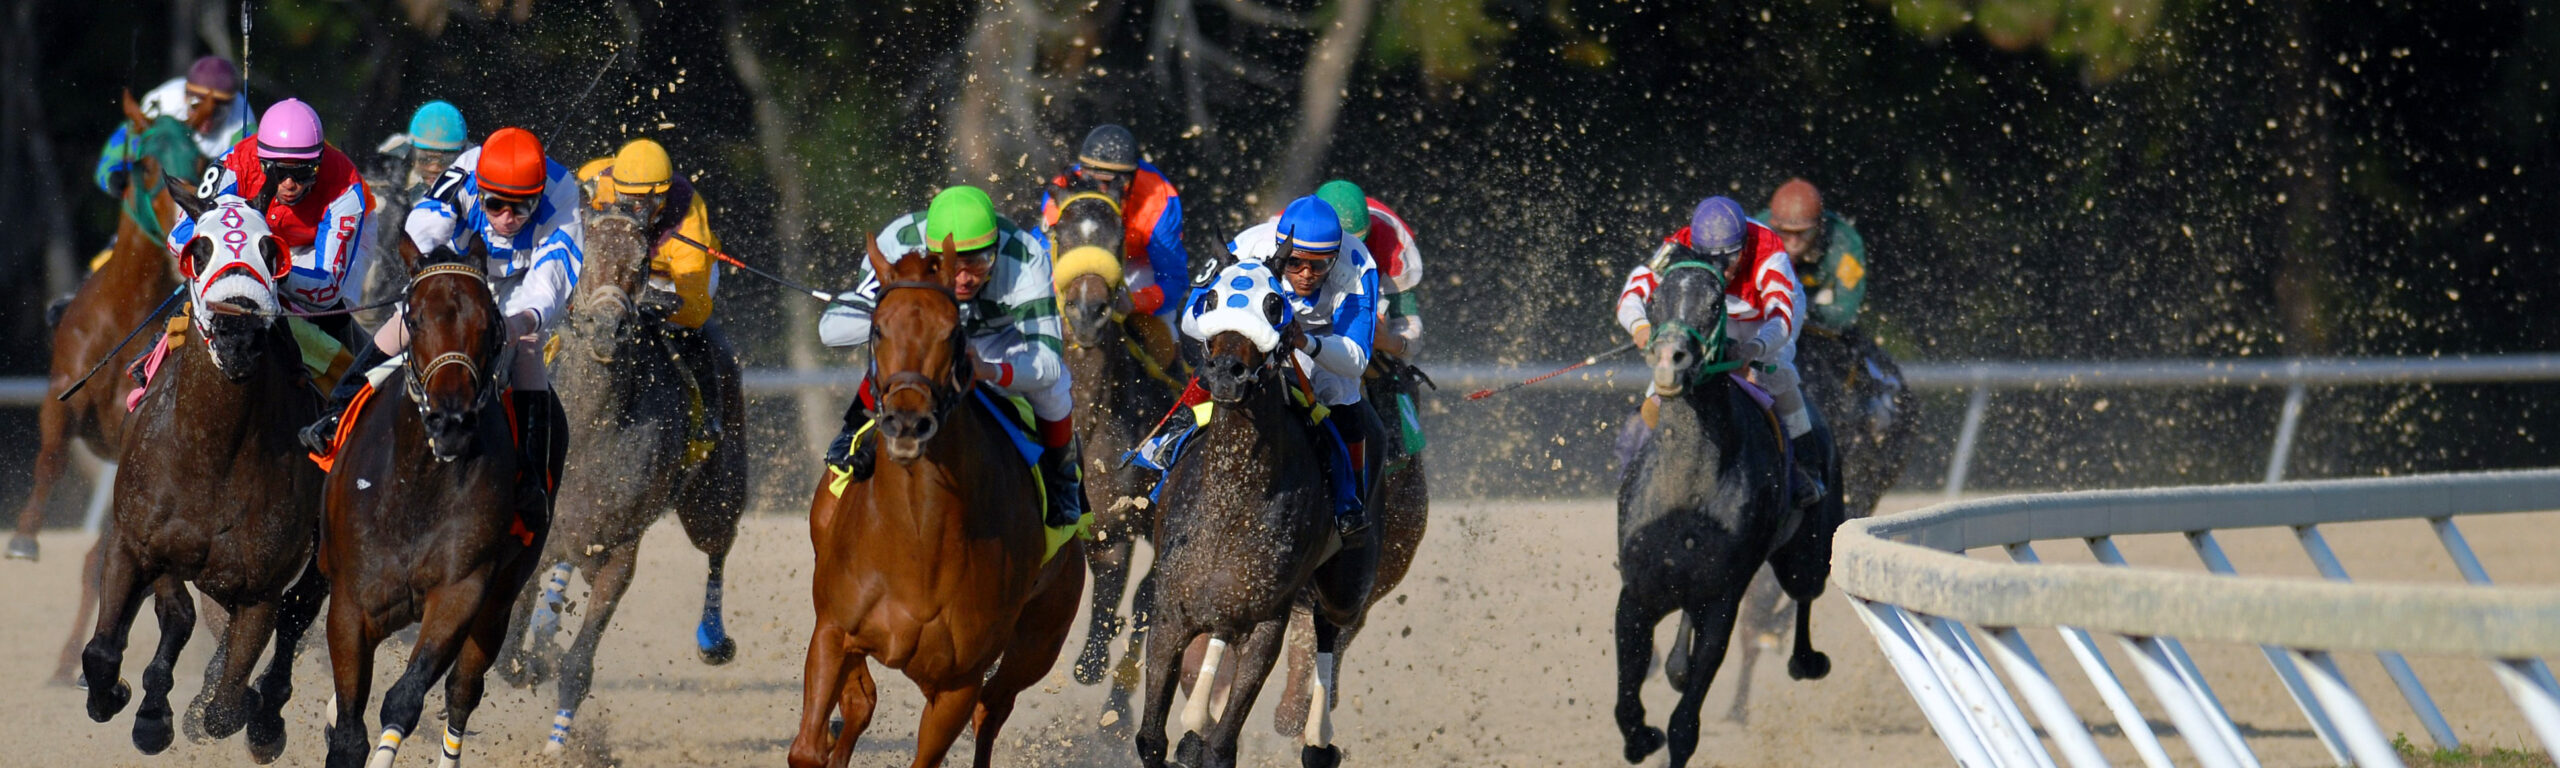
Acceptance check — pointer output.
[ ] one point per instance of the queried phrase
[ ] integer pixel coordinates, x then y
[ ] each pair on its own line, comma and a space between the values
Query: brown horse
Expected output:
633, 409
137, 278
933, 565
1245, 536
216, 492
432, 516
1120, 394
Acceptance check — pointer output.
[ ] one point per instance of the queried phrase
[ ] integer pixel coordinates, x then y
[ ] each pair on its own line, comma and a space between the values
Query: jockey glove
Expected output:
1753, 350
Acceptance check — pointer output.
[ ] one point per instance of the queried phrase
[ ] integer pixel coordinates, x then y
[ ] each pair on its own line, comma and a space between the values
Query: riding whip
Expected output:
1485, 393
784, 281
67, 392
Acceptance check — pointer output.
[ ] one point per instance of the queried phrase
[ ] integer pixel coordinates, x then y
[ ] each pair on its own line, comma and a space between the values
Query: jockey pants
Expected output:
1785, 393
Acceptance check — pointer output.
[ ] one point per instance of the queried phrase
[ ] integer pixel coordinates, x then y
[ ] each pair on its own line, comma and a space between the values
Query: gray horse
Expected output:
637, 448
1703, 504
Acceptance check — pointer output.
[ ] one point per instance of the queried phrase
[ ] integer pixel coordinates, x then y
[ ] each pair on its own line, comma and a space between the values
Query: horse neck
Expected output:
141, 259
1711, 415
960, 450
262, 400
640, 365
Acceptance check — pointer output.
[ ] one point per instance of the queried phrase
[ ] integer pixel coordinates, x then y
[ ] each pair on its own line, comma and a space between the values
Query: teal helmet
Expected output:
438, 126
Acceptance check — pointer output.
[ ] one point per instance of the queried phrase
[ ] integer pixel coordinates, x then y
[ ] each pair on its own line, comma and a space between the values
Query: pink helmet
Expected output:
290, 131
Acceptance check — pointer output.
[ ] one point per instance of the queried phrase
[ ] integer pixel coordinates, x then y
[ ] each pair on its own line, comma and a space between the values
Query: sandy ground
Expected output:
1496, 653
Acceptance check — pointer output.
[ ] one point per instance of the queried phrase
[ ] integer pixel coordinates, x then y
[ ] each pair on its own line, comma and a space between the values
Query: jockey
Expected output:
1008, 311
506, 199
1399, 264
1151, 223
1333, 291
206, 100
641, 180
315, 203
437, 136
1829, 254
1761, 300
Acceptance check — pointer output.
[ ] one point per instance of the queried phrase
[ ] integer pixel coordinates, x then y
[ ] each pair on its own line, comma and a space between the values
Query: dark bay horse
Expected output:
1871, 411
1401, 505
632, 409
215, 491
1120, 394
1703, 505
432, 517
1243, 538
933, 564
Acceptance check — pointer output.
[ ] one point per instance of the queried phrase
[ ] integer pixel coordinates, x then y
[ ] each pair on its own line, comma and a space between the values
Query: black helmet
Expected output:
1109, 148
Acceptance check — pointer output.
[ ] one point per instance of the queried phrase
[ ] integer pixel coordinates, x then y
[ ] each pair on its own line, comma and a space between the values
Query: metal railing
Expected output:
1908, 579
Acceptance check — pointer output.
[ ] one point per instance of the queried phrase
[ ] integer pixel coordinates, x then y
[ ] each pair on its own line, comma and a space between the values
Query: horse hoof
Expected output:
24, 548
1676, 674
192, 725
719, 652
1187, 754
103, 705
220, 722
1319, 757
1642, 742
266, 738
151, 732
1092, 667
1809, 665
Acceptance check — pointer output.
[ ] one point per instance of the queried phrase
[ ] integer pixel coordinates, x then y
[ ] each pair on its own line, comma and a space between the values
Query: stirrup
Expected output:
1349, 526
320, 435
1809, 490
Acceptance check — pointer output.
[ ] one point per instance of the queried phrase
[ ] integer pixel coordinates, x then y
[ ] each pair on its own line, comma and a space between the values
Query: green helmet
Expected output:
965, 215
1349, 203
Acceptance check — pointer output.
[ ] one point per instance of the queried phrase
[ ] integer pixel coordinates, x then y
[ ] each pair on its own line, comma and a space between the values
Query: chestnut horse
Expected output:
1244, 537
216, 492
933, 564
1119, 396
432, 516
137, 277
632, 408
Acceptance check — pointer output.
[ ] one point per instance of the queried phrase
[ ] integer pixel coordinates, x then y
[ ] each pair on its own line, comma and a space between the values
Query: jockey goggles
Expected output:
976, 260
301, 172
1318, 267
495, 204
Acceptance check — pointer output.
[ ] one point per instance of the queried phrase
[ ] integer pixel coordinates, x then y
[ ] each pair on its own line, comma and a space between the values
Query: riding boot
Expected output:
855, 458
322, 432
699, 351
542, 442
1342, 471
1063, 483
1157, 450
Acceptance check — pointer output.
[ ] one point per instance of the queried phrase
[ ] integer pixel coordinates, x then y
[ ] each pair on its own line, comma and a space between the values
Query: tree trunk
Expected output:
18, 75
182, 35
2309, 248
818, 413
1322, 85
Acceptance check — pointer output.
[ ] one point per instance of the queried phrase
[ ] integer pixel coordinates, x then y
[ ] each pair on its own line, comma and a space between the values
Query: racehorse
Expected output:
1845, 373
216, 492
120, 296
1402, 504
1703, 505
1120, 393
1247, 533
934, 563
432, 517
632, 406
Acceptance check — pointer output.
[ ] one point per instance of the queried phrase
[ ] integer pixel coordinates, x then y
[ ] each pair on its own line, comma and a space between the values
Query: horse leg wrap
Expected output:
1319, 731
386, 748
452, 749
546, 610
559, 732
711, 637
1195, 708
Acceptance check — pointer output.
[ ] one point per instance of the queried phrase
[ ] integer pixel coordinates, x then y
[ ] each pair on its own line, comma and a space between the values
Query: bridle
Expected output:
1714, 350
489, 381
945, 395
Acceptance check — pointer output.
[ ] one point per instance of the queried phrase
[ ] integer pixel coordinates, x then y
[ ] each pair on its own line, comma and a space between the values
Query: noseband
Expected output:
490, 381
1714, 350
945, 395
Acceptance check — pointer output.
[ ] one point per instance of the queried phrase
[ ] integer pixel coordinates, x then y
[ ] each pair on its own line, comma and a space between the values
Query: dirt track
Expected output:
1497, 652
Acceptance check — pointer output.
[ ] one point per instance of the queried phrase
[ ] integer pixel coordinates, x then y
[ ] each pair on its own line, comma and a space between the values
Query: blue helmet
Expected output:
438, 126
1310, 224
1715, 228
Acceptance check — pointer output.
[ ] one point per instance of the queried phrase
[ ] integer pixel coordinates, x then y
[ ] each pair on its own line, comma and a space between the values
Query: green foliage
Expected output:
2105, 38
1449, 39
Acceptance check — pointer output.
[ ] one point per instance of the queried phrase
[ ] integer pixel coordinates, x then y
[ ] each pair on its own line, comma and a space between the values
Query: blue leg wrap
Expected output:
711, 632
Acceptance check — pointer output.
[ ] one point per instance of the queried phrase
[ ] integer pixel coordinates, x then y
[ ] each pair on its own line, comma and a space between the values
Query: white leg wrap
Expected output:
452, 749
559, 732
1319, 731
387, 748
1195, 708
331, 719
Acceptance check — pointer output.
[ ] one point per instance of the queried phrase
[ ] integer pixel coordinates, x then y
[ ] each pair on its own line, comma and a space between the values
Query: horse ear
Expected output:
879, 262
133, 114
278, 261
183, 192
939, 264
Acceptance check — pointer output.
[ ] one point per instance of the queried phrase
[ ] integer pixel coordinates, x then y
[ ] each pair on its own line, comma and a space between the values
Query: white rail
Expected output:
1919, 595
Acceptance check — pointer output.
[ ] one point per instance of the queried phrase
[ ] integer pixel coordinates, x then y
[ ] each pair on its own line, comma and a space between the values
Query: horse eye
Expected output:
1272, 308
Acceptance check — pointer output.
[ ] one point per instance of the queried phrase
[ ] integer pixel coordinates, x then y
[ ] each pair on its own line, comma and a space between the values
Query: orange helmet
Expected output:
1796, 206
511, 164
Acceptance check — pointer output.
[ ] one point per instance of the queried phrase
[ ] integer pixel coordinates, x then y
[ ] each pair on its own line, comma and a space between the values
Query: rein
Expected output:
944, 399
490, 381
1718, 350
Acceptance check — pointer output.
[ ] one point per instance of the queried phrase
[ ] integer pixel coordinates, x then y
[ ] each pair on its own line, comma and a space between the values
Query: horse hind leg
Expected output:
1040, 634
92, 572
121, 585
1125, 676
53, 429
351, 649
152, 730
530, 654
1802, 565
1163, 676
1762, 619
1110, 563
709, 513
608, 582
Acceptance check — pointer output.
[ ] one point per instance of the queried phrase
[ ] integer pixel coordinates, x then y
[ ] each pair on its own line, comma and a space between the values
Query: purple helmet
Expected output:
214, 73
1715, 228
290, 131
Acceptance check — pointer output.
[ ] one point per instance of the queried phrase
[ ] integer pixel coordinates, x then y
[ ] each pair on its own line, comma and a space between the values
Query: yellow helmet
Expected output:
642, 168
